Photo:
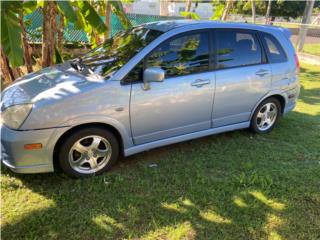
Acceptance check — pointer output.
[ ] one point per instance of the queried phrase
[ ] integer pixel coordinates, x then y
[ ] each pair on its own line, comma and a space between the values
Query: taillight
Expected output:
296, 59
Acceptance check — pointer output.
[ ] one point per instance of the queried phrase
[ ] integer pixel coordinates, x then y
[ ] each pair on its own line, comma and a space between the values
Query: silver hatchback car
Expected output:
153, 85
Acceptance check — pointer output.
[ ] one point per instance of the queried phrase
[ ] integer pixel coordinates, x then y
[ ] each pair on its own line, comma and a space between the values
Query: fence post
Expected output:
304, 28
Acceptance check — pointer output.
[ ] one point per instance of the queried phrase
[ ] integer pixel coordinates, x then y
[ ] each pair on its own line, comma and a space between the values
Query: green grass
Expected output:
236, 185
312, 48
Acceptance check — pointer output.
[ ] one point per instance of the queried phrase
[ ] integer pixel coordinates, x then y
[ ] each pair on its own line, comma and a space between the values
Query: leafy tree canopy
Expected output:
280, 8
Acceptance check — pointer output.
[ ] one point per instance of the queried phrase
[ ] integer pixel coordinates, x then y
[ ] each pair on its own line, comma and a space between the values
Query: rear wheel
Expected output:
88, 152
266, 116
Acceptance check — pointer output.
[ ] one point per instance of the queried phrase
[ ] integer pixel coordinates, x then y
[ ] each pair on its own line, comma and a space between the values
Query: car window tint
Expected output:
183, 55
236, 48
274, 50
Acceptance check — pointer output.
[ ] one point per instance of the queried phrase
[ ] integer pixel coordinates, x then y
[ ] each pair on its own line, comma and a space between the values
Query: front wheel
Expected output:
266, 116
89, 151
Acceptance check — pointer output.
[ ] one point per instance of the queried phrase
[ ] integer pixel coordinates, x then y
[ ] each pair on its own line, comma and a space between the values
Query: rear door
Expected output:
243, 75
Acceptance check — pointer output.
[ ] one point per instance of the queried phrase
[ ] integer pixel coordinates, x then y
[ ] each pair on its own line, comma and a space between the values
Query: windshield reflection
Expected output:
118, 50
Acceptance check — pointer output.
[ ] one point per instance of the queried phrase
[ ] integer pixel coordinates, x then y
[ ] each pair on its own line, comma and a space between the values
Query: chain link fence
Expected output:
74, 35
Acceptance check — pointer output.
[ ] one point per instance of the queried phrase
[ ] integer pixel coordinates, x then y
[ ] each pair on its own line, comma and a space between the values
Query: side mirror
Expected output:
152, 74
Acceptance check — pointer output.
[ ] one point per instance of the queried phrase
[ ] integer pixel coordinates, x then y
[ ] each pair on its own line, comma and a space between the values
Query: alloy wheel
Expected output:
267, 116
90, 154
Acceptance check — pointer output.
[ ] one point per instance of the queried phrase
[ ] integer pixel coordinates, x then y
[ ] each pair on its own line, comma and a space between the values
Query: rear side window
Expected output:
236, 48
274, 50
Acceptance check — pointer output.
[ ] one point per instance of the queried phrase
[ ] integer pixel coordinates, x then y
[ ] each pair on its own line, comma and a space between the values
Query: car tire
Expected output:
88, 152
266, 116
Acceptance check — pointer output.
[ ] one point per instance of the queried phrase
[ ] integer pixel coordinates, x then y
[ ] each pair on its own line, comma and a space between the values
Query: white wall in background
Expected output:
152, 7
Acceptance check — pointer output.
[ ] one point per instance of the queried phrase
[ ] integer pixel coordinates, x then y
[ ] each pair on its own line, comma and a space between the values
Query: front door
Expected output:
182, 103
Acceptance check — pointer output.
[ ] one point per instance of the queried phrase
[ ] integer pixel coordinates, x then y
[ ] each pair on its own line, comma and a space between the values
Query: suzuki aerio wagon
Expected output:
153, 85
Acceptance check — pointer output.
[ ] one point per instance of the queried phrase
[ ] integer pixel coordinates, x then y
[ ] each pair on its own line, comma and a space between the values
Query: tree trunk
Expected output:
188, 8
60, 32
226, 10
27, 50
164, 8
304, 28
268, 10
48, 34
188, 5
107, 20
6, 71
253, 8
17, 72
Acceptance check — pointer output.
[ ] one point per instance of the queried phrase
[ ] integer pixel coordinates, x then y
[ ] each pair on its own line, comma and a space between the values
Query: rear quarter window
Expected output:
274, 50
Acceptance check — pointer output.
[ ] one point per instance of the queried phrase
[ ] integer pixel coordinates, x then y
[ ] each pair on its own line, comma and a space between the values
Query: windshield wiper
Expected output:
78, 64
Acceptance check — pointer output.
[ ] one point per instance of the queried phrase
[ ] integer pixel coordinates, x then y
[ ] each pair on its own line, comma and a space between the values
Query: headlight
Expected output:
15, 115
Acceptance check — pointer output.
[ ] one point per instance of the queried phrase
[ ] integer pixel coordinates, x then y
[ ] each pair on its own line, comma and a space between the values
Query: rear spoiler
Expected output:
286, 32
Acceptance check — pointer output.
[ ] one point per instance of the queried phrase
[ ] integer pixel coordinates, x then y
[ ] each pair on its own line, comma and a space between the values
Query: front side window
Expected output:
183, 55
274, 50
135, 75
109, 57
237, 48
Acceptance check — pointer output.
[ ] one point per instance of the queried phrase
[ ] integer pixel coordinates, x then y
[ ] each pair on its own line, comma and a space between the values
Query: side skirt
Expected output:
189, 136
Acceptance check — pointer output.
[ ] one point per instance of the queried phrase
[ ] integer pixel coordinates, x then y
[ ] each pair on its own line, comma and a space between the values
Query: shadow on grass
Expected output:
233, 185
310, 74
310, 96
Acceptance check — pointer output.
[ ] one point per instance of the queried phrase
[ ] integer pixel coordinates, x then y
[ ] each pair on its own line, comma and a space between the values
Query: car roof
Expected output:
168, 25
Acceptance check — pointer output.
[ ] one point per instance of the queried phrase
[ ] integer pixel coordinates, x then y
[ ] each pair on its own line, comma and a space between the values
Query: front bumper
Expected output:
20, 160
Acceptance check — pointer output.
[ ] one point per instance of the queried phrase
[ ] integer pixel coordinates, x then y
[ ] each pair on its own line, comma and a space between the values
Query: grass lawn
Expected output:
312, 48
236, 185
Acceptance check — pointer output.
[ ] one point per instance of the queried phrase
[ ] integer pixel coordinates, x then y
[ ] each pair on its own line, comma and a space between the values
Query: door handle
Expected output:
262, 72
200, 82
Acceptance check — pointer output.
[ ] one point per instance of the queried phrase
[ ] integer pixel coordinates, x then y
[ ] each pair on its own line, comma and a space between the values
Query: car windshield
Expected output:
110, 56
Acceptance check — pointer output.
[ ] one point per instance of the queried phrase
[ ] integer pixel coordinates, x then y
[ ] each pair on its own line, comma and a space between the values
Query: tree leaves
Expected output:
191, 15
67, 10
91, 16
11, 32
117, 9
217, 12
80, 13
29, 6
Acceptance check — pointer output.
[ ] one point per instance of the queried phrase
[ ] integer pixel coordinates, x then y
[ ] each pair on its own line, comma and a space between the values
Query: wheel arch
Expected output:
280, 97
66, 134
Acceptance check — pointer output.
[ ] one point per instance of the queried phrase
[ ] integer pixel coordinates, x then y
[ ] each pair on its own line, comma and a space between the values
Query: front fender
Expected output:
124, 131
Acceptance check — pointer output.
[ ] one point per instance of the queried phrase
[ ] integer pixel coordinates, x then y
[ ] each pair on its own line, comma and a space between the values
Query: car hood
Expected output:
54, 82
